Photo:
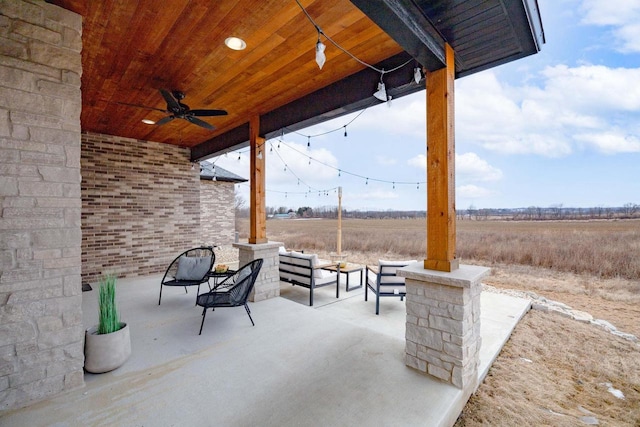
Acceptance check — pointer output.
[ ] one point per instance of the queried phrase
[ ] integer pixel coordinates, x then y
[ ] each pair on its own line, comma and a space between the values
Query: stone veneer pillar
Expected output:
443, 323
41, 332
268, 281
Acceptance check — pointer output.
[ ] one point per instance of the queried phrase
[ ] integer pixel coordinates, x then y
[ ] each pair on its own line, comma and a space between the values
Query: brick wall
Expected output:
140, 206
41, 332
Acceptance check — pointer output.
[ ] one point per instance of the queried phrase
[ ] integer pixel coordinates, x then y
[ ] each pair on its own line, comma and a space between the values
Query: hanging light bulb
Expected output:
394, 185
320, 56
309, 141
345, 131
309, 160
238, 156
367, 182
381, 93
339, 172
417, 75
271, 149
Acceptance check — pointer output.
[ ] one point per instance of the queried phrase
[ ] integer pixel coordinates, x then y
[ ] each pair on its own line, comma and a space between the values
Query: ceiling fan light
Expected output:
320, 56
235, 43
381, 93
148, 122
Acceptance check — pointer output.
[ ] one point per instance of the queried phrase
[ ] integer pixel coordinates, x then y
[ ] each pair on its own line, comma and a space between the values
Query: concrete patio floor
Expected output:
336, 364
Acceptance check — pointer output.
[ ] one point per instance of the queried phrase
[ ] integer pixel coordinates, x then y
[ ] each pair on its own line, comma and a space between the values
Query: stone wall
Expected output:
41, 332
140, 206
217, 218
443, 323
268, 281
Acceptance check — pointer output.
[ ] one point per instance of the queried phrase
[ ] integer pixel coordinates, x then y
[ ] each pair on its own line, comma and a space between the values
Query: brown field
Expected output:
553, 369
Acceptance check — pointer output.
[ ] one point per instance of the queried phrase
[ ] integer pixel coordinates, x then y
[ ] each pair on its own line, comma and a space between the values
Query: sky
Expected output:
560, 128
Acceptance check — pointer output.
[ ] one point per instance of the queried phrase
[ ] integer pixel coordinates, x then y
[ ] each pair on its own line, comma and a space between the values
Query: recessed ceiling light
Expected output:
235, 43
148, 122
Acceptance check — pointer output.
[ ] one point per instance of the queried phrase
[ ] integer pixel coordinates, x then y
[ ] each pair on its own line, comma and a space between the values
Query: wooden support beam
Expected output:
441, 211
257, 216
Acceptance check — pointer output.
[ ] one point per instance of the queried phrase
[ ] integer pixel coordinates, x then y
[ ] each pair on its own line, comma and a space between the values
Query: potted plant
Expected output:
107, 345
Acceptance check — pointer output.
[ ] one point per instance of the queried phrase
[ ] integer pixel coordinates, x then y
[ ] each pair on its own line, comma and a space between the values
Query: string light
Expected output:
333, 42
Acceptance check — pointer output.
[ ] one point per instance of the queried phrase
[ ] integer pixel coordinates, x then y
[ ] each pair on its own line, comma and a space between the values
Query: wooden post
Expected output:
257, 216
339, 245
441, 211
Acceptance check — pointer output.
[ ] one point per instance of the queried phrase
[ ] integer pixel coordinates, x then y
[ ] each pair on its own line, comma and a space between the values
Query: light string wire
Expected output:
381, 71
300, 181
329, 131
341, 171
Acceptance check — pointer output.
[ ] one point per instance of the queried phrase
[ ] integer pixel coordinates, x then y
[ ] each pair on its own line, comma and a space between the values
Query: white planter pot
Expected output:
106, 352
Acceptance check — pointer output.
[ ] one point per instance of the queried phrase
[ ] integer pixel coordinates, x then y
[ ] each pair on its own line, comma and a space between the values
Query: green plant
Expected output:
108, 319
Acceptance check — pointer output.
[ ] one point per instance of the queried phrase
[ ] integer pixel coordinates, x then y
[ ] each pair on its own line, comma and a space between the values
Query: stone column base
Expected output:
268, 281
443, 322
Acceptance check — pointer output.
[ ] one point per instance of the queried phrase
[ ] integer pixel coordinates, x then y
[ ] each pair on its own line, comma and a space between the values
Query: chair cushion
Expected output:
193, 268
325, 277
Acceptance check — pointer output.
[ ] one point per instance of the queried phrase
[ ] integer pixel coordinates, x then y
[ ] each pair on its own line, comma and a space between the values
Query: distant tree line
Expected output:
531, 213
554, 212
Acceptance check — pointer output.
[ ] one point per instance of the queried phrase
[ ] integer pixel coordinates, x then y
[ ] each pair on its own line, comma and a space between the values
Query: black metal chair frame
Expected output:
169, 278
231, 292
378, 288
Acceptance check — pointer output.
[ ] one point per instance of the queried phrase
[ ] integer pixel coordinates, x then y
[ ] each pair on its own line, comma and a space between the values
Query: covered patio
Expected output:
331, 364
88, 187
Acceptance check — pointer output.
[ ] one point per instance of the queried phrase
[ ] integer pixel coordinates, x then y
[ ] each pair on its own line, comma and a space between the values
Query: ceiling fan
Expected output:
178, 110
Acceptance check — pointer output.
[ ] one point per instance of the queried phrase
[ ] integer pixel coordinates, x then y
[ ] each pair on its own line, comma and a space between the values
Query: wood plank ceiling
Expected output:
133, 48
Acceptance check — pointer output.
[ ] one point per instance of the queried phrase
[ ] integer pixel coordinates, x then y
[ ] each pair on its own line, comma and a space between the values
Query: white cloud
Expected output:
472, 192
469, 167
419, 161
399, 118
307, 164
544, 119
371, 195
386, 161
612, 142
622, 15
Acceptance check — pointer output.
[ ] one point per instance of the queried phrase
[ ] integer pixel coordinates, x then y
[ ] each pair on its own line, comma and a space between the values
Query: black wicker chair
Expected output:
190, 268
232, 291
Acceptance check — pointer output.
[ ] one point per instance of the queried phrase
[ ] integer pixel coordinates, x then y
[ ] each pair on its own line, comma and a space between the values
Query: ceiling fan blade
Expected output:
165, 120
199, 122
172, 104
208, 113
141, 106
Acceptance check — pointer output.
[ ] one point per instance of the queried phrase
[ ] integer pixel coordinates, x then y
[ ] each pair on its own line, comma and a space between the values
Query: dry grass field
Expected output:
553, 371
